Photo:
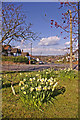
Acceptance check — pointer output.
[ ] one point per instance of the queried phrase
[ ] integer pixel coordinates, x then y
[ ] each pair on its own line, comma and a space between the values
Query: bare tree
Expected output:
14, 27
69, 24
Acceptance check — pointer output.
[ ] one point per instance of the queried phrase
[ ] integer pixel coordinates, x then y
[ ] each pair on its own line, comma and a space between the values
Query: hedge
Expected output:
20, 59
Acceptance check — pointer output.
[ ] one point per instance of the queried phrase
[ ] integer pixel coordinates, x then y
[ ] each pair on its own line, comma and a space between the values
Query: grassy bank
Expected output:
65, 105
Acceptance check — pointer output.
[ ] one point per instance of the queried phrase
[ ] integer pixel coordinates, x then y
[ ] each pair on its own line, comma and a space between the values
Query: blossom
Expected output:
22, 82
19, 84
55, 79
20, 73
53, 89
38, 88
46, 83
42, 80
45, 88
51, 78
46, 72
37, 80
45, 79
24, 79
51, 83
31, 89
33, 97
48, 88
34, 78
24, 92
30, 79
22, 88
26, 85
37, 74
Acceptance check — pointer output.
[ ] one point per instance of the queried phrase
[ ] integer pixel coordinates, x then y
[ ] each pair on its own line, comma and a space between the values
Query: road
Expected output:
26, 67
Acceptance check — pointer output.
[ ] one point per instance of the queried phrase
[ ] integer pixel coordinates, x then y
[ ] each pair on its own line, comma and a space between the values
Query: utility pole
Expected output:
31, 48
69, 11
70, 39
79, 36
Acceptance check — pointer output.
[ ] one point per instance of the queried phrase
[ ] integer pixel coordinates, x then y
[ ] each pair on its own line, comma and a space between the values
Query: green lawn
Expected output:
65, 105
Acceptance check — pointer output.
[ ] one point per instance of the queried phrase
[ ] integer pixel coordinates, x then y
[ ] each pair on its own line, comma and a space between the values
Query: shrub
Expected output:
16, 59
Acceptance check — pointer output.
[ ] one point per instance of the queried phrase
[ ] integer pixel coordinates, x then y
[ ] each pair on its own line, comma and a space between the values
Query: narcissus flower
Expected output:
30, 79
24, 92
22, 88
24, 79
45, 88
31, 89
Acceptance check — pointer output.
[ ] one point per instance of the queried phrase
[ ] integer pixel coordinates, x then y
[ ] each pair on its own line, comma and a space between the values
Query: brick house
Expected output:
16, 52
6, 50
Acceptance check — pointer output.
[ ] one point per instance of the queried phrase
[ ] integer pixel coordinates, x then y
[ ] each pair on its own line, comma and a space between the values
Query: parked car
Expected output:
41, 62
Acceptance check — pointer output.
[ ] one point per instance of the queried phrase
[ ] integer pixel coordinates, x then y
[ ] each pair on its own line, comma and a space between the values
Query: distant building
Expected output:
16, 52
24, 54
6, 50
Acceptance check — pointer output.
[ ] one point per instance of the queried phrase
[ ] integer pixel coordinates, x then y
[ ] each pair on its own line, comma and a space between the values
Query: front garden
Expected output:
42, 94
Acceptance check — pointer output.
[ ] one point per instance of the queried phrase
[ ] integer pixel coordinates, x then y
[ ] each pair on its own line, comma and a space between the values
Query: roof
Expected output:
14, 50
25, 53
5, 47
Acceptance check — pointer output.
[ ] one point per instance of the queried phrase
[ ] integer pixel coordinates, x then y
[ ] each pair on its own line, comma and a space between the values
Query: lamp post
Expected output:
31, 48
69, 11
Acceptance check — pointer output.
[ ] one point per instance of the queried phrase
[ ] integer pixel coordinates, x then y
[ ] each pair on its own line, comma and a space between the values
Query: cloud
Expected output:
49, 41
67, 43
45, 51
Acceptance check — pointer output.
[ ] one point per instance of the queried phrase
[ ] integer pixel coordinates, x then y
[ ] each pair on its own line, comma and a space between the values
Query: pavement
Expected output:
27, 67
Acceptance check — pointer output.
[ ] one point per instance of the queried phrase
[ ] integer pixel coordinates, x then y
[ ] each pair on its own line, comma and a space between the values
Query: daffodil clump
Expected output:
37, 90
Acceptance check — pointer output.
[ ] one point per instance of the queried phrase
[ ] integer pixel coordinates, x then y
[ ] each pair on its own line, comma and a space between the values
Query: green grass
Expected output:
65, 105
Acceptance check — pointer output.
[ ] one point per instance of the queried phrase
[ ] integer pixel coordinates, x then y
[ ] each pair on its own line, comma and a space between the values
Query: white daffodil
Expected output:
34, 78
30, 79
22, 88
20, 73
24, 92
51, 78
37, 80
55, 79
51, 83
26, 75
49, 88
55, 84
24, 79
33, 97
26, 85
45, 88
38, 88
22, 82
69, 69
19, 84
46, 72
46, 83
42, 80
31, 89
53, 89
45, 79
37, 74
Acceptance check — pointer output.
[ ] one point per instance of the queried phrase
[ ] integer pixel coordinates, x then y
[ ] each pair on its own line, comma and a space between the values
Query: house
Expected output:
74, 56
16, 52
24, 54
6, 50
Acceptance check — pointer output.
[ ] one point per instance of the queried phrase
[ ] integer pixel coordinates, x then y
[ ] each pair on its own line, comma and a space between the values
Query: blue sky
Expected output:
40, 15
